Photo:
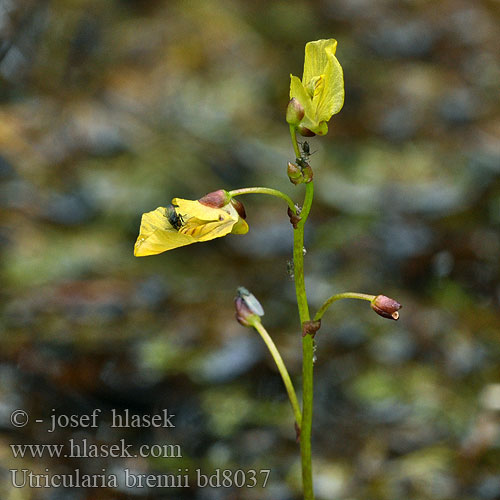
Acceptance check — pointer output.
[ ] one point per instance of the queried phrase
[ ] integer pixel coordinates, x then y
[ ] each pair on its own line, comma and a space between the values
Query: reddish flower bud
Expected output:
244, 315
251, 301
216, 199
239, 208
294, 112
294, 218
295, 173
386, 307
248, 308
305, 132
310, 328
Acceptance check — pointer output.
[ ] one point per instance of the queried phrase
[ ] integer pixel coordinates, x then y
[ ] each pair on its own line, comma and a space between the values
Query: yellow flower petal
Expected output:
328, 97
241, 227
208, 230
193, 208
199, 223
298, 91
157, 234
317, 57
321, 91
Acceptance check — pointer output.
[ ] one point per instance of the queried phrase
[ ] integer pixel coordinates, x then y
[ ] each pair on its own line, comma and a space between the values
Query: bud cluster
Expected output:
300, 173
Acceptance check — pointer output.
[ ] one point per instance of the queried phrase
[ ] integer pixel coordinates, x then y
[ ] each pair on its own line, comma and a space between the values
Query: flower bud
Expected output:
294, 112
305, 132
216, 199
294, 218
386, 307
248, 308
307, 173
251, 301
295, 173
244, 315
238, 206
310, 328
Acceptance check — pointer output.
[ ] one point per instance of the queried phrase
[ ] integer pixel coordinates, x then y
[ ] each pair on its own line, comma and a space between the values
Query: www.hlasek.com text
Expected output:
84, 448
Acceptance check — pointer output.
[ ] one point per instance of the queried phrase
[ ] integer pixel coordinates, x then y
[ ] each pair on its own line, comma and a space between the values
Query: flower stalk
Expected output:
295, 144
264, 190
292, 396
382, 305
339, 296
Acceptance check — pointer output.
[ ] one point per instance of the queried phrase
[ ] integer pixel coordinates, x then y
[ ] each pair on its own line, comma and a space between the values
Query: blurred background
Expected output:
110, 109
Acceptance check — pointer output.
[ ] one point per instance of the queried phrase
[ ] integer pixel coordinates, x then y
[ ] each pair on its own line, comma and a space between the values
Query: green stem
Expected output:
283, 371
307, 341
307, 347
338, 296
294, 141
264, 190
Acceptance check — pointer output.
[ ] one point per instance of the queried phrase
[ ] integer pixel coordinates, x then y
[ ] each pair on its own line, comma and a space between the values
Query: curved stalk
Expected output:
264, 190
338, 296
292, 396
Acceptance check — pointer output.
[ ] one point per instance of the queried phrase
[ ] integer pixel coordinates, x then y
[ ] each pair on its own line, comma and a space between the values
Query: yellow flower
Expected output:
321, 91
183, 223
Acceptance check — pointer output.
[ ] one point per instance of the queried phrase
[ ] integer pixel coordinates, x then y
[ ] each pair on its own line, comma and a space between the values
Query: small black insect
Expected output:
176, 220
303, 160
